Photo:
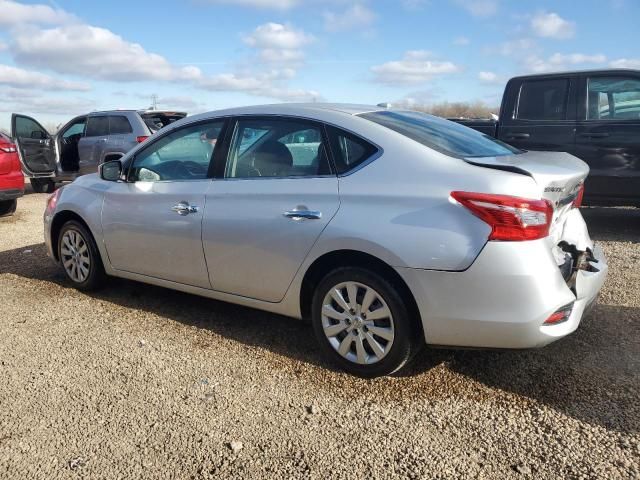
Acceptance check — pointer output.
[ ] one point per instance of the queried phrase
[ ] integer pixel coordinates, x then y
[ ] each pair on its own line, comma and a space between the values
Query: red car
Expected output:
11, 177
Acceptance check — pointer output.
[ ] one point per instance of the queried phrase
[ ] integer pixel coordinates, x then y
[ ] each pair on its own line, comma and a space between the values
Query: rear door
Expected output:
121, 138
608, 137
540, 114
268, 207
90, 146
35, 145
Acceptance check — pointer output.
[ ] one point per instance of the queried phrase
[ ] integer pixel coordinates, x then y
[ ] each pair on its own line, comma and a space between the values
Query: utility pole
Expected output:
154, 102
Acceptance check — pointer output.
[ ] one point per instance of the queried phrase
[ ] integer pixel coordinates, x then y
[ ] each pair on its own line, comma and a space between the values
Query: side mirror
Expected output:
111, 170
38, 134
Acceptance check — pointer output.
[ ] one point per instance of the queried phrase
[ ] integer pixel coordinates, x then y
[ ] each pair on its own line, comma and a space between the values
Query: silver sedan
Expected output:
388, 229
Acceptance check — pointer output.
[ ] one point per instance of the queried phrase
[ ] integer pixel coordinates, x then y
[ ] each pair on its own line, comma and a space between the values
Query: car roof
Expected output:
579, 72
131, 110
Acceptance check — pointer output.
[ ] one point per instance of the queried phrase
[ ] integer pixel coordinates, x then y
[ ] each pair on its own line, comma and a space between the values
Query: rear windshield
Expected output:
441, 135
157, 120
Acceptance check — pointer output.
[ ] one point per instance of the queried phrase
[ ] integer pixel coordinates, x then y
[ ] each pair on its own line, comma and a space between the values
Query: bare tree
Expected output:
476, 109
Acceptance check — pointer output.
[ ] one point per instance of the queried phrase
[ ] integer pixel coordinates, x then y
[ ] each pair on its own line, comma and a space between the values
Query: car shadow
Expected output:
591, 375
613, 224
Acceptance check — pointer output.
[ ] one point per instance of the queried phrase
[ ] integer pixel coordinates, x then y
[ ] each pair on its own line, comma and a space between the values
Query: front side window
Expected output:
28, 128
97, 126
613, 98
119, 125
181, 155
543, 100
276, 148
441, 135
75, 129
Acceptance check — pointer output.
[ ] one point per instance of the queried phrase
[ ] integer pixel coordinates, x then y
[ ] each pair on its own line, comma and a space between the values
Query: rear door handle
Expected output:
594, 134
303, 214
183, 208
518, 136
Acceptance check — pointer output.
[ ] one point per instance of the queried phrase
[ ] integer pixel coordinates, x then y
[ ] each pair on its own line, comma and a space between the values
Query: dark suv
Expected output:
82, 144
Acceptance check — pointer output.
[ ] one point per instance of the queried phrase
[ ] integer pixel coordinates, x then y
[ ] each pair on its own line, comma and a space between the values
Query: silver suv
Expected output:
82, 144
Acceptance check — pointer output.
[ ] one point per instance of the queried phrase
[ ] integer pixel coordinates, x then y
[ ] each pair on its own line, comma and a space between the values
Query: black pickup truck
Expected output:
594, 115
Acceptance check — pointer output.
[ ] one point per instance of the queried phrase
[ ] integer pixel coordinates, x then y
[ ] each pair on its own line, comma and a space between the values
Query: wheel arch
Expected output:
329, 261
56, 225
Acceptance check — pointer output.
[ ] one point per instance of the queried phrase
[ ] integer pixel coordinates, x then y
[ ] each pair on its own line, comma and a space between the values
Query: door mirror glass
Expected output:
111, 171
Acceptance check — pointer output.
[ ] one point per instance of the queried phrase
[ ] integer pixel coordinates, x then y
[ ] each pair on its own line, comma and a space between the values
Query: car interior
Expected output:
69, 138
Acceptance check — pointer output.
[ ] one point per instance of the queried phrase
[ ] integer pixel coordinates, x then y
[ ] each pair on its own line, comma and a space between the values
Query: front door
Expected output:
152, 223
608, 137
35, 144
274, 199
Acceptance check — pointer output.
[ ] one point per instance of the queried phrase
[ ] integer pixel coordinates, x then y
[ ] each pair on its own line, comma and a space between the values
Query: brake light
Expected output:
560, 315
142, 138
52, 200
577, 202
8, 148
510, 218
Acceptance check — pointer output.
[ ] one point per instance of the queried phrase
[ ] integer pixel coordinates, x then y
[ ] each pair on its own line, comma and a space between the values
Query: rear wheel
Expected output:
43, 185
79, 257
8, 207
363, 323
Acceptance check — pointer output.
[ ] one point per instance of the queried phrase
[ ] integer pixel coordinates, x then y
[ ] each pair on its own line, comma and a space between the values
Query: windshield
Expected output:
441, 135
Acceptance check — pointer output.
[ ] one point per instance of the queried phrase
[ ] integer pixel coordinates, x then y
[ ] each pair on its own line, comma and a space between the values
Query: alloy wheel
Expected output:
75, 256
357, 322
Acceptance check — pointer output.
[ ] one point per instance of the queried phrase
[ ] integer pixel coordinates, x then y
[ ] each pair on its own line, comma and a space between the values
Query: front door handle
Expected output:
518, 136
183, 208
303, 214
594, 134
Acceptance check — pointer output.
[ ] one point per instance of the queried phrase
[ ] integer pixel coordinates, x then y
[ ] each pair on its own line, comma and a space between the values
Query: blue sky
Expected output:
66, 57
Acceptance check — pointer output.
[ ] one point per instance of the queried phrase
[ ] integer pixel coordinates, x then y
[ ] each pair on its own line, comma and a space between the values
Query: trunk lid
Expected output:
559, 176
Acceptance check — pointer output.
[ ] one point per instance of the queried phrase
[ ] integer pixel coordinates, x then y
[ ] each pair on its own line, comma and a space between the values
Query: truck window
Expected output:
543, 100
97, 127
441, 135
613, 98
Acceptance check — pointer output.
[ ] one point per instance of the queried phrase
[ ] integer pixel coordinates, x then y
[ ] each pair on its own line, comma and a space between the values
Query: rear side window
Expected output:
543, 100
97, 126
348, 150
441, 135
119, 125
613, 98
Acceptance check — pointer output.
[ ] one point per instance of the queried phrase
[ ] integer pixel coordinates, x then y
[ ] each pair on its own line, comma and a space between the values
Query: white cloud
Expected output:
45, 104
489, 77
278, 43
14, 13
18, 77
552, 25
479, 8
461, 41
576, 59
266, 4
625, 63
357, 16
415, 67
93, 52
513, 47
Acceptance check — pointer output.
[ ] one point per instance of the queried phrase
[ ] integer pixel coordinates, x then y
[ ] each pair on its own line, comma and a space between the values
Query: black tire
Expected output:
43, 185
407, 338
8, 207
96, 275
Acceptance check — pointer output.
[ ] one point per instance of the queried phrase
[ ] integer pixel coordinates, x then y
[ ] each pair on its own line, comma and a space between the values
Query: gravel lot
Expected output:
141, 382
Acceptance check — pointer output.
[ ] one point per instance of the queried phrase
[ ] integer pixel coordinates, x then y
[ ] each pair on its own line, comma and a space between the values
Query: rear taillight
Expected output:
560, 315
510, 218
578, 200
52, 200
141, 138
8, 148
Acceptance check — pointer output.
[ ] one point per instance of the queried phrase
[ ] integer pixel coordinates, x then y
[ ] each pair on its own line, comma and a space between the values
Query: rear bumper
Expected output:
504, 298
11, 194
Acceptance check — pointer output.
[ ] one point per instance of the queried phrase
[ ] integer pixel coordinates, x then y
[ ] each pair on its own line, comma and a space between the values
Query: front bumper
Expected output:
504, 298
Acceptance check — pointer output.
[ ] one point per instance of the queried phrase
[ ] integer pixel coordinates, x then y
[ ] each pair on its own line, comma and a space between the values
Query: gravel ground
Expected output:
141, 382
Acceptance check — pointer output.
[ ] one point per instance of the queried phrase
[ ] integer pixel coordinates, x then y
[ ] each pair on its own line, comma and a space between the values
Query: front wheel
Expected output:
79, 256
43, 185
363, 323
8, 207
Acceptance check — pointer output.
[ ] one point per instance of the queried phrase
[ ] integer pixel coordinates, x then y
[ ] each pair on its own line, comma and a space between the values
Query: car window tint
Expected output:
348, 150
613, 98
442, 135
119, 125
543, 100
184, 154
75, 129
276, 148
97, 126
28, 128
